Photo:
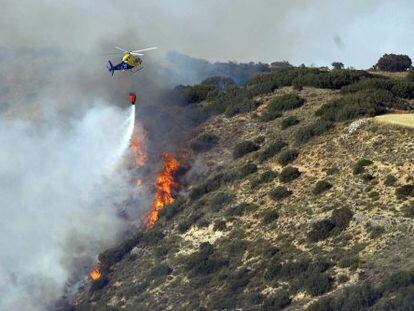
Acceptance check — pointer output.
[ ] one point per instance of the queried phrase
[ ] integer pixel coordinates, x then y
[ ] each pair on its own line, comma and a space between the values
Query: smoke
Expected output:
58, 192
299, 31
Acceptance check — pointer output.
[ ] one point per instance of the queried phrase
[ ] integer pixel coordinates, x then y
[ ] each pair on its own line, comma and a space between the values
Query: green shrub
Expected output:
321, 186
248, 169
272, 150
349, 261
405, 191
244, 106
287, 156
359, 167
171, 210
318, 284
289, 174
220, 225
369, 84
270, 216
191, 94
366, 103
204, 142
285, 102
317, 128
219, 200
219, 82
159, 271
280, 193
398, 279
358, 297
393, 62
214, 183
277, 301
244, 148
205, 261
266, 177
408, 210
288, 122
334, 79
270, 116
390, 180
115, 254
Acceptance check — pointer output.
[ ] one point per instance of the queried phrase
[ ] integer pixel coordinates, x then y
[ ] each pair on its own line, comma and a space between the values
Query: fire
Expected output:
165, 186
138, 149
96, 274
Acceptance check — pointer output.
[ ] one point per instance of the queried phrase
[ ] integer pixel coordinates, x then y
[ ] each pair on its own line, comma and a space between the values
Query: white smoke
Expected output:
58, 189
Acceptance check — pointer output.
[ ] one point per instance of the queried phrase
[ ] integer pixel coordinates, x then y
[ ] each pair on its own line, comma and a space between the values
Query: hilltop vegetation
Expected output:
304, 202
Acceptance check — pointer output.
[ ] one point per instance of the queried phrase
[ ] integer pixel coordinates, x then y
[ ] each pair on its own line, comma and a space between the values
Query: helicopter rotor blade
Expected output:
137, 54
125, 51
143, 50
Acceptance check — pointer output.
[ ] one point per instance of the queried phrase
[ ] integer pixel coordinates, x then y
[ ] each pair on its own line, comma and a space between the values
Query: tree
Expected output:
393, 62
338, 65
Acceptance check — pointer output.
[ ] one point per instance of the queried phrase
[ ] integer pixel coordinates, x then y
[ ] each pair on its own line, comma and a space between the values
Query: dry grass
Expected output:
405, 119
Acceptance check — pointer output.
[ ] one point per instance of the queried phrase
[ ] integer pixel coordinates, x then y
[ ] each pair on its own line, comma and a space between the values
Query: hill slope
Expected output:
294, 202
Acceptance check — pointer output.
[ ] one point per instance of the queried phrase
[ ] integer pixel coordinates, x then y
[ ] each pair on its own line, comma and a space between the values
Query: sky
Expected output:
300, 31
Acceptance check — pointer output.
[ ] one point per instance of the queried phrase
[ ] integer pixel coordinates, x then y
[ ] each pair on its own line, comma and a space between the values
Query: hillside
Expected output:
297, 198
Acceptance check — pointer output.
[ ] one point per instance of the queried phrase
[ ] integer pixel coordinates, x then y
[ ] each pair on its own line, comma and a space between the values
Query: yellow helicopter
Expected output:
130, 60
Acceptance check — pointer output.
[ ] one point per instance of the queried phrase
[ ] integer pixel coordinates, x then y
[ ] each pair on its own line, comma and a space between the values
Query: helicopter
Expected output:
130, 60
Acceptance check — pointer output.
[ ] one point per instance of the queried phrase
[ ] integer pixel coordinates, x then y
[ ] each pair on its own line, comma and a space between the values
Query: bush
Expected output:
408, 210
269, 116
159, 271
405, 191
390, 180
285, 102
359, 167
270, 216
289, 174
287, 156
220, 225
321, 186
317, 128
288, 122
341, 217
214, 183
272, 150
277, 302
334, 79
205, 261
204, 142
280, 193
318, 284
266, 177
337, 65
321, 230
219, 200
248, 169
359, 297
244, 148
219, 82
115, 254
171, 210
366, 103
393, 62
244, 106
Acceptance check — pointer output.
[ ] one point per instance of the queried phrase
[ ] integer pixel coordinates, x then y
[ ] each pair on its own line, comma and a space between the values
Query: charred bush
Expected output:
390, 180
341, 217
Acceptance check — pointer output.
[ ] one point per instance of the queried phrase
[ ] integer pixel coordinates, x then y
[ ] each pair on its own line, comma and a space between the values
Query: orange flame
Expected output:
138, 150
165, 186
96, 274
